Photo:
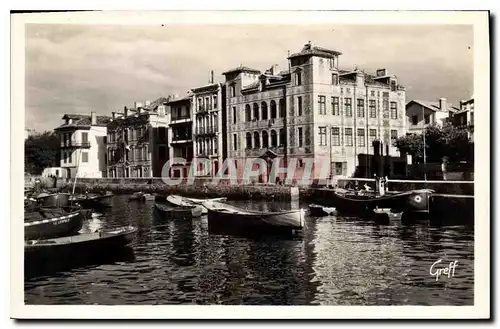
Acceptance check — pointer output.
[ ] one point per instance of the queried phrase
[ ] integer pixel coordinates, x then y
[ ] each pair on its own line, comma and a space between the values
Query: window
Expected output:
274, 113
265, 139
248, 113
373, 108
233, 91
256, 140
264, 110
372, 93
255, 112
322, 104
361, 137
373, 135
335, 136
414, 120
234, 114
338, 168
348, 107
85, 137
282, 137
393, 85
298, 78
348, 136
65, 157
299, 106
361, 108
335, 106
335, 79
249, 140
274, 138
215, 101
299, 137
394, 136
427, 119
85, 157
322, 136
394, 110
235, 142
385, 108
282, 107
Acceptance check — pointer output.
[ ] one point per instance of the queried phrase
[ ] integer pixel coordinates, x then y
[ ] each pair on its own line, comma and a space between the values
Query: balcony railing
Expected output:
181, 117
207, 130
70, 144
182, 138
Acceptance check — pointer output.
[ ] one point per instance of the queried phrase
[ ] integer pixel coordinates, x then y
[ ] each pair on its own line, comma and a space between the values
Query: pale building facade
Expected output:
312, 111
208, 102
421, 114
83, 145
464, 117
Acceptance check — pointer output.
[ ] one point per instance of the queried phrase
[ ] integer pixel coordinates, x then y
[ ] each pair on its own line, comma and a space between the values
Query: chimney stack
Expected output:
93, 118
113, 115
125, 112
442, 103
212, 76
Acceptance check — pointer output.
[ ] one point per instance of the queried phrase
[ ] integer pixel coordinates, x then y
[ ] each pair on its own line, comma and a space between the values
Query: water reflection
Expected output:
334, 261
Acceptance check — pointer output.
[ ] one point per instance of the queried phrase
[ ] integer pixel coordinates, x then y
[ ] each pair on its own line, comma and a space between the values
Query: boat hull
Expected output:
56, 200
38, 227
167, 212
223, 217
320, 211
93, 201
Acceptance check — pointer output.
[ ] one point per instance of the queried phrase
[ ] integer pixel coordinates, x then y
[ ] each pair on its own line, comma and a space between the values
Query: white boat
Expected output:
181, 201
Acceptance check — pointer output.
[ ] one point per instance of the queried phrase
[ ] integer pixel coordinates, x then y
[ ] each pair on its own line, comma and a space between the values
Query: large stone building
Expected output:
208, 102
83, 145
311, 111
137, 142
421, 114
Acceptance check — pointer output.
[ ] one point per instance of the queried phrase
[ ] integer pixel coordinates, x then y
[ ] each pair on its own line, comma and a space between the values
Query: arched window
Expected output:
282, 137
273, 110
248, 114
282, 108
256, 140
263, 105
256, 111
249, 140
265, 139
209, 146
274, 138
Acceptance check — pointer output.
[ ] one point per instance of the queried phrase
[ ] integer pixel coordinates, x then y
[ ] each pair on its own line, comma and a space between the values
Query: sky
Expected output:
102, 68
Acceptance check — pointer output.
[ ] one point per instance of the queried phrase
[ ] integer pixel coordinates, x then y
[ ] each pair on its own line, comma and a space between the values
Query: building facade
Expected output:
137, 140
181, 136
422, 114
464, 117
208, 102
311, 111
83, 145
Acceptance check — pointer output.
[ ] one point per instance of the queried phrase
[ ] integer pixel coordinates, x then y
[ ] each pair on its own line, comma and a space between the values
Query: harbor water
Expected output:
334, 261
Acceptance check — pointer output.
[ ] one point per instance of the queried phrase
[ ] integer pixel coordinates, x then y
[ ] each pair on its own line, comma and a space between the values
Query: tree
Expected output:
41, 151
440, 141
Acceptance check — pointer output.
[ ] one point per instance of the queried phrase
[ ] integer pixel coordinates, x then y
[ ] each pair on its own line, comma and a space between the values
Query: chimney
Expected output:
212, 76
93, 118
442, 103
113, 115
125, 112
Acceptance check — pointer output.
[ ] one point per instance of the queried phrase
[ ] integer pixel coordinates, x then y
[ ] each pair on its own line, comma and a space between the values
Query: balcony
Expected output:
203, 109
210, 130
73, 144
181, 139
180, 119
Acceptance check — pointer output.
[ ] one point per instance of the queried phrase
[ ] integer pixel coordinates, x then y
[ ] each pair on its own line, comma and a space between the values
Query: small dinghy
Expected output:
52, 223
93, 201
85, 244
225, 216
182, 212
317, 210
181, 201
386, 214
141, 196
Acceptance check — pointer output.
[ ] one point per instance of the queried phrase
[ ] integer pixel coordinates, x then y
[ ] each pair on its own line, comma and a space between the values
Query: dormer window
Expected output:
335, 79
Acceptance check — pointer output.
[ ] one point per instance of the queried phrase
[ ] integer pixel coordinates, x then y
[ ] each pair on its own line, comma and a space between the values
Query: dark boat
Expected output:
317, 210
415, 201
53, 200
141, 196
386, 215
178, 212
91, 201
225, 216
79, 245
51, 223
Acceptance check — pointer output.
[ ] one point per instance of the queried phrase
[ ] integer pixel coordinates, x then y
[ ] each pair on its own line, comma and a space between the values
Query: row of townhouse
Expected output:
312, 110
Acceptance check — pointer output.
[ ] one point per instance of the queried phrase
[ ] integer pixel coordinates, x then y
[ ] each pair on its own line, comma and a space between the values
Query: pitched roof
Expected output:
83, 121
434, 106
241, 68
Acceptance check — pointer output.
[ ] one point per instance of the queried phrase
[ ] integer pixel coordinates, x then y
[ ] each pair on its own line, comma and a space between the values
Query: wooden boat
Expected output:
415, 201
317, 210
87, 244
53, 200
95, 200
181, 201
178, 212
141, 196
51, 223
385, 214
222, 215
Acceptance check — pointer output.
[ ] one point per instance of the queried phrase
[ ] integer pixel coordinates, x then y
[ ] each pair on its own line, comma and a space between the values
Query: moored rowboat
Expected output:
178, 212
181, 201
49, 223
221, 215
317, 210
